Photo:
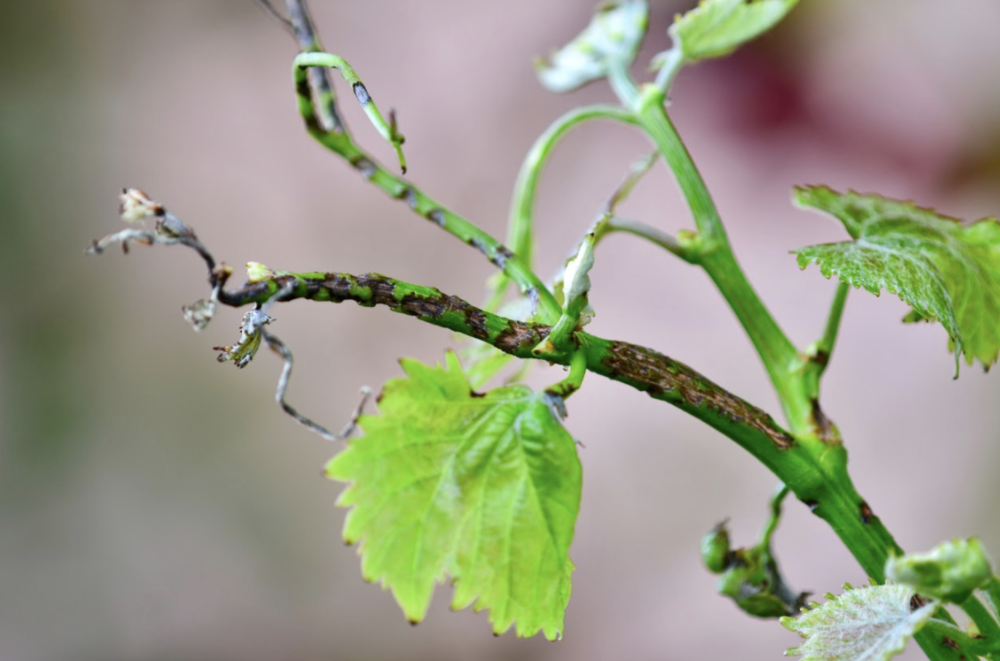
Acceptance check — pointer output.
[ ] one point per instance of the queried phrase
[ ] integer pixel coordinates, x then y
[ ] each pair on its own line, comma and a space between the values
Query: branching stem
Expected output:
521, 226
983, 619
772, 521
824, 348
652, 234
422, 204
308, 42
777, 352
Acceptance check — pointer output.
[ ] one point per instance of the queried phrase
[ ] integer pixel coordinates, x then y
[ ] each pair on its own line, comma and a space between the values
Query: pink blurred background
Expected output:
157, 505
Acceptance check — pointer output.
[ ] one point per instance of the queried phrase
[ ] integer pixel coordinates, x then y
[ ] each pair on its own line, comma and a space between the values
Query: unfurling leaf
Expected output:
718, 27
867, 624
614, 34
951, 571
946, 270
482, 488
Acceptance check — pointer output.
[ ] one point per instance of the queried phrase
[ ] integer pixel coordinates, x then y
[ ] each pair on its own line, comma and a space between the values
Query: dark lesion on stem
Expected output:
655, 373
426, 303
639, 367
642, 368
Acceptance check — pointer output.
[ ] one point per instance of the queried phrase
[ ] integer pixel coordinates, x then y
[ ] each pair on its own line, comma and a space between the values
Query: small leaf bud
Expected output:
715, 549
950, 572
257, 272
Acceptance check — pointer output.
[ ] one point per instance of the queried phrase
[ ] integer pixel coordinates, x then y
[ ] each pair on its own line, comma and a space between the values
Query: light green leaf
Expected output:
946, 270
718, 27
864, 624
951, 571
614, 34
482, 488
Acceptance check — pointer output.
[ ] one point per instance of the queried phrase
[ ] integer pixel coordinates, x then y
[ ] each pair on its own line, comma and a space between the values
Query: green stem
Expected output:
308, 41
774, 519
520, 228
305, 61
671, 63
779, 355
573, 381
467, 232
652, 234
520, 232
819, 354
823, 483
973, 647
983, 619
992, 589
824, 348
621, 81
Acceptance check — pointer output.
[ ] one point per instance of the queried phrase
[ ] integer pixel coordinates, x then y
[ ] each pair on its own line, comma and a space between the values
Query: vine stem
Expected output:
959, 638
779, 355
824, 348
521, 228
826, 488
651, 234
775, 517
308, 41
422, 204
984, 621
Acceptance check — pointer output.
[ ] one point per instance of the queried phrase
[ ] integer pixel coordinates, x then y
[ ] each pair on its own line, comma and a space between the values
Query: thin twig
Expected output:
636, 172
276, 15
280, 348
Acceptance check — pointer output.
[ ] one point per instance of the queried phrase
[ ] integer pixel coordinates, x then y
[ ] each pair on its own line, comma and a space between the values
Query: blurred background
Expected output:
157, 505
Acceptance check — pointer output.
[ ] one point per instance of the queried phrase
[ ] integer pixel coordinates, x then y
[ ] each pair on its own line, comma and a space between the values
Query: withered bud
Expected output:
250, 336
199, 313
134, 205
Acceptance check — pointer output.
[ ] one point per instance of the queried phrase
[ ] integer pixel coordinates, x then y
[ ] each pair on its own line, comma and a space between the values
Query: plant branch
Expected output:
821, 352
422, 204
992, 590
983, 619
280, 348
520, 233
307, 39
276, 15
712, 248
772, 521
824, 348
644, 369
652, 234
958, 639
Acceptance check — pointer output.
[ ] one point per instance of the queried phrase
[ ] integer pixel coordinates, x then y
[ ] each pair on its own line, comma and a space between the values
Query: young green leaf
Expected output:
718, 27
946, 270
482, 488
870, 624
613, 35
950, 571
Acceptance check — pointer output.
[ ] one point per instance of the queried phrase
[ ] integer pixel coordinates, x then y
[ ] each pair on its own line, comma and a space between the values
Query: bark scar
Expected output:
657, 374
